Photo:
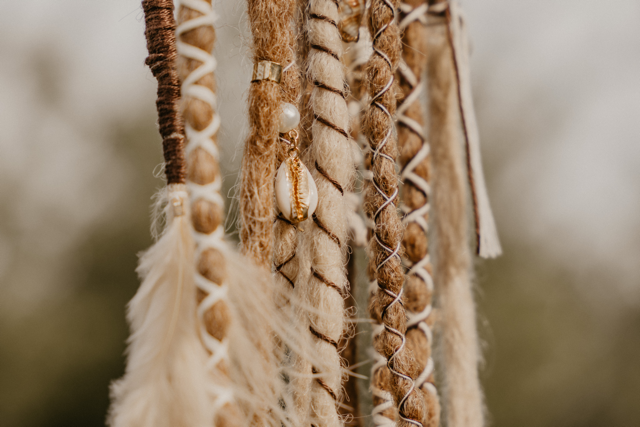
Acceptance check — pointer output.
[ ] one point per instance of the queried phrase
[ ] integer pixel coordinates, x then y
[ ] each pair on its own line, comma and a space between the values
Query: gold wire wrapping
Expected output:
299, 193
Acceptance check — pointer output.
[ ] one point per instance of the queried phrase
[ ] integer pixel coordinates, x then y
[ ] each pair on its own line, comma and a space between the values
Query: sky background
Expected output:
557, 92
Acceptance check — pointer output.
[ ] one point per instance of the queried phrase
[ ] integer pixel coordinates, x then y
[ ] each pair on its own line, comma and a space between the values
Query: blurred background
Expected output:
557, 91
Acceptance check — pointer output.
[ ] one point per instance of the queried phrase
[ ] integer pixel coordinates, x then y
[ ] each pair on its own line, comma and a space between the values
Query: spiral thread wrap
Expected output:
380, 203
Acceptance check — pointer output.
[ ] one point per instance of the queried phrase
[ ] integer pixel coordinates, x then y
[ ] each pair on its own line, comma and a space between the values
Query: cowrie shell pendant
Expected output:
296, 191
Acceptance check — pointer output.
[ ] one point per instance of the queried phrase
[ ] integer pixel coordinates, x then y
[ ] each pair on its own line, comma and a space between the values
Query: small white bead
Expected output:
289, 117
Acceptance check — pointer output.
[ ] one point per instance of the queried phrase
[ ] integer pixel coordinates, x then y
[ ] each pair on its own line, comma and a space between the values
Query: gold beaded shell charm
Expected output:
296, 191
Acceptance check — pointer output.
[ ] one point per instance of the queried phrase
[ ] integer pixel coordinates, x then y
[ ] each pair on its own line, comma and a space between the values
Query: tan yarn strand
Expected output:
462, 395
380, 203
271, 27
195, 65
330, 152
414, 161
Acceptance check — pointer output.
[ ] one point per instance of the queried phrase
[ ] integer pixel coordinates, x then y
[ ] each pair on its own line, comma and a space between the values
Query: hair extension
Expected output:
380, 203
196, 65
462, 395
414, 161
331, 154
164, 383
306, 115
271, 23
384, 411
286, 259
355, 58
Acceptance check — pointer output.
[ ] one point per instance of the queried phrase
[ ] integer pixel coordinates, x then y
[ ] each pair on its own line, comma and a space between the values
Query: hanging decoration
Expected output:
263, 334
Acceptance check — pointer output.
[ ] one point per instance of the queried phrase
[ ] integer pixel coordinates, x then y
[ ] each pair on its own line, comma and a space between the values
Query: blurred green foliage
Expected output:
56, 364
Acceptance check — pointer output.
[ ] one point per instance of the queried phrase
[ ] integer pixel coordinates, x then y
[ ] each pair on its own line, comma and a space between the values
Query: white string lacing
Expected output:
408, 175
203, 139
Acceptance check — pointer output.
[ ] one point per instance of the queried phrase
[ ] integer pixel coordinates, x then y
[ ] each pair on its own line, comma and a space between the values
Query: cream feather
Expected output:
164, 383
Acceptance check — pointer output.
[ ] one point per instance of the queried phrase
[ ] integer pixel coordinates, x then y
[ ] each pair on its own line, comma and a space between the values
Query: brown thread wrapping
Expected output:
327, 282
203, 169
324, 385
161, 44
271, 28
331, 125
324, 228
324, 173
324, 18
323, 337
414, 161
380, 204
329, 88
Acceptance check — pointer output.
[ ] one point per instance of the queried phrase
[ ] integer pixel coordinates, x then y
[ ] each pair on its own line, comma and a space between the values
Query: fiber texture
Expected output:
165, 381
271, 23
286, 259
355, 58
255, 362
196, 65
384, 411
161, 44
458, 338
487, 240
380, 204
414, 160
304, 105
331, 154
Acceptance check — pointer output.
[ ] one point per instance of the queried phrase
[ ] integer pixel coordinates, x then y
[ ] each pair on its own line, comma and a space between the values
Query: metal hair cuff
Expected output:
267, 70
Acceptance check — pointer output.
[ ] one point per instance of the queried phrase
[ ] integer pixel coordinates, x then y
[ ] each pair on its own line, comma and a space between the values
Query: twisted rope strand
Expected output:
330, 151
414, 161
380, 203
